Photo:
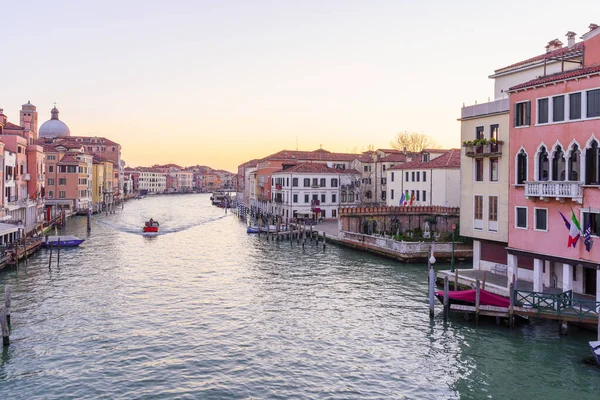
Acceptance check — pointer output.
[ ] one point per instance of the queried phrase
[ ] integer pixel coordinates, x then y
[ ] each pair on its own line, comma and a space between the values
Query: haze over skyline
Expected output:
220, 83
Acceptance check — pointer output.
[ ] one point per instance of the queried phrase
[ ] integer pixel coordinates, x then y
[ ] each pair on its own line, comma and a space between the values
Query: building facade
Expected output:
431, 181
313, 189
554, 170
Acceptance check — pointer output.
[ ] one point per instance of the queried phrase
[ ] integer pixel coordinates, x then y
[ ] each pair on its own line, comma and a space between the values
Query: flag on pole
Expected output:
412, 198
574, 231
402, 199
406, 198
568, 225
587, 236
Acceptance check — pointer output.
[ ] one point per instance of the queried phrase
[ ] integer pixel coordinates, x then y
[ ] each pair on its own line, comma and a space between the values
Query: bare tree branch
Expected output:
413, 142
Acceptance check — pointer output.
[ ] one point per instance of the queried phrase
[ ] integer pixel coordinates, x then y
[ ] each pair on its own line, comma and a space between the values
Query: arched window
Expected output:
543, 165
351, 197
344, 197
521, 167
574, 164
591, 164
558, 164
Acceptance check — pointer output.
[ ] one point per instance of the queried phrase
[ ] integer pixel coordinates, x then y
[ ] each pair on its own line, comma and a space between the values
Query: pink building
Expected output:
554, 169
23, 188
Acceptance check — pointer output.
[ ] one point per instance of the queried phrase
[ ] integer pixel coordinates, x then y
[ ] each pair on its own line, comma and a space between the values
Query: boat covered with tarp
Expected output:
468, 297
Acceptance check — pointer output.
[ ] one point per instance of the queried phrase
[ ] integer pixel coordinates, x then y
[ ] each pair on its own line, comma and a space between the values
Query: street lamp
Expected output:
452, 263
431, 272
431, 259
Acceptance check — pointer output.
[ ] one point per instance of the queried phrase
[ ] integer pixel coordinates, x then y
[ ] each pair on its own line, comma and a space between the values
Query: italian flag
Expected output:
574, 230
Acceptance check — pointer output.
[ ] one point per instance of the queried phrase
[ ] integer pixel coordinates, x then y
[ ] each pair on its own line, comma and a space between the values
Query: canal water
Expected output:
206, 311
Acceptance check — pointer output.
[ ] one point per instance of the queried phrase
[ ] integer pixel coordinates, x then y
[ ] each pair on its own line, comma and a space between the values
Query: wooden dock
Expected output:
20, 251
563, 307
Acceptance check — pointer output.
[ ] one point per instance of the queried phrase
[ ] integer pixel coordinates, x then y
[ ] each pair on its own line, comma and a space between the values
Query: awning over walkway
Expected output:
8, 228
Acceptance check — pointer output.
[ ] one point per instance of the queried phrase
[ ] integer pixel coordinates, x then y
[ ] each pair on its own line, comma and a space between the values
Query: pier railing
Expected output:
398, 210
561, 304
391, 244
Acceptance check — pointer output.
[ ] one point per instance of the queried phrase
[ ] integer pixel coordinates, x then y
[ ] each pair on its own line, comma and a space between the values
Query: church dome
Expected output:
54, 127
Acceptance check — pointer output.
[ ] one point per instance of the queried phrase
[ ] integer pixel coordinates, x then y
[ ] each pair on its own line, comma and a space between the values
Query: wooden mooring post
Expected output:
324, 240
483, 282
456, 279
7, 303
25, 246
259, 227
58, 253
4, 327
50, 259
446, 298
477, 300
511, 307
89, 220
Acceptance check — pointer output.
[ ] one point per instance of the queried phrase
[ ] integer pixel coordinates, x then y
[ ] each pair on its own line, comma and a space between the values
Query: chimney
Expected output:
593, 27
553, 45
570, 38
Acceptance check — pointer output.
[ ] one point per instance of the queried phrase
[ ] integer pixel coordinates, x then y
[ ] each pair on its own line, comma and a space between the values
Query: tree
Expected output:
413, 142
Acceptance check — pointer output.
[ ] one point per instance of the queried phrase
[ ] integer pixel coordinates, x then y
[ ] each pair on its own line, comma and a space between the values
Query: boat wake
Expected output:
165, 227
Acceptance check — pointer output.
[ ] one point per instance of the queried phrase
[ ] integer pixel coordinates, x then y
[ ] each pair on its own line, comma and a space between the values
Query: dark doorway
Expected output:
590, 281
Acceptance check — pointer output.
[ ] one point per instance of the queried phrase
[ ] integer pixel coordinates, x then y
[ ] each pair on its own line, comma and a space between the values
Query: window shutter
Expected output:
528, 113
515, 113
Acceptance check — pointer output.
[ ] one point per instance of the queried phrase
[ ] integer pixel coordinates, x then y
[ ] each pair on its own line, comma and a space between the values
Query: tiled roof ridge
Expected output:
450, 159
559, 76
551, 54
310, 167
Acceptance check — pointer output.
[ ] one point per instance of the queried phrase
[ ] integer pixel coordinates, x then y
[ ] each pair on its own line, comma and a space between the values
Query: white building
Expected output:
152, 180
432, 181
314, 188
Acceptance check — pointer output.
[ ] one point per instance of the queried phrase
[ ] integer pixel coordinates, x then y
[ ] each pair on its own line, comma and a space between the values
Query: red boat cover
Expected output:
485, 298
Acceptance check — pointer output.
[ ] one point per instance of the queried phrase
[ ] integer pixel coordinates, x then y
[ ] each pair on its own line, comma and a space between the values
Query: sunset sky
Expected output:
221, 82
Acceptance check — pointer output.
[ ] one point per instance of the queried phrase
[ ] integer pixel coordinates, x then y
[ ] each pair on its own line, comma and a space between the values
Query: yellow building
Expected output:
97, 185
103, 182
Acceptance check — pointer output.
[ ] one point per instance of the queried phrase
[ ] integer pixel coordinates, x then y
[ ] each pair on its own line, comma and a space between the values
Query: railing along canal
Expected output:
394, 245
560, 304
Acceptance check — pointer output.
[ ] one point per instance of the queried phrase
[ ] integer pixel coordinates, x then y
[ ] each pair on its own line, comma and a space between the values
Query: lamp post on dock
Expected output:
431, 272
452, 262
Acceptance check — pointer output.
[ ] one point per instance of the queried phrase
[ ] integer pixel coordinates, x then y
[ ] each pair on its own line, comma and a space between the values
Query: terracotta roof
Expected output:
70, 159
10, 125
317, 155
316, 168
364, 158
397, 157
449, 160
90, 140
533, 60
392, 151
99, 158
561, 76
167, 166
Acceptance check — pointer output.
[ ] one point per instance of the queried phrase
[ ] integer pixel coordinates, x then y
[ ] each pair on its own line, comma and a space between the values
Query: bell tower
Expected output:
29, 117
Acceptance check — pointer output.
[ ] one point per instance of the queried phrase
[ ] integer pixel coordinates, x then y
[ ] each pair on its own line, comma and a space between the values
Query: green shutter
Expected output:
528, 113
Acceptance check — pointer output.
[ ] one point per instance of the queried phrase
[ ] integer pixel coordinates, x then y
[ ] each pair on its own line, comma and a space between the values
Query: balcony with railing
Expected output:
559, 190
278, 200
483, 150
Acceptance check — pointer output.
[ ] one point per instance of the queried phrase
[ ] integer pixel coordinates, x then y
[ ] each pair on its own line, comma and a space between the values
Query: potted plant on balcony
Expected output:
467, 143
